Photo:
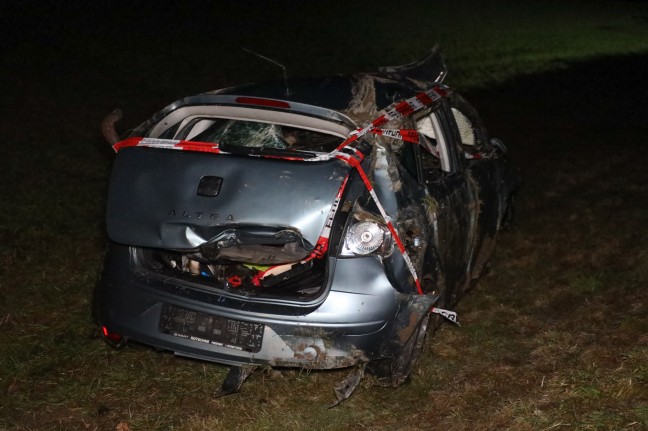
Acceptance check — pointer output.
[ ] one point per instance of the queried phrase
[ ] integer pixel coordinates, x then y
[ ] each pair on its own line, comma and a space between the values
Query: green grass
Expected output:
553, 338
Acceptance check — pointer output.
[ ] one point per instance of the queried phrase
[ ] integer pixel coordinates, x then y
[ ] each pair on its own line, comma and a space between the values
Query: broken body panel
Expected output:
300, 240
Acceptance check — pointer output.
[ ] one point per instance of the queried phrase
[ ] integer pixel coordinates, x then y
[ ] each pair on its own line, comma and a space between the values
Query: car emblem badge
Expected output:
209, 186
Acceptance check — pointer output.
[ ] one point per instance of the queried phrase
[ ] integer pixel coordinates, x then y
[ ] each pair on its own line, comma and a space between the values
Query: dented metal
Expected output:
286, 234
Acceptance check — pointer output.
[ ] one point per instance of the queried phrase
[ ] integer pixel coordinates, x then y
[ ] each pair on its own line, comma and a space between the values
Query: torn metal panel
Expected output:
234, 379
347, 386
153, 199
406, 345
280, 233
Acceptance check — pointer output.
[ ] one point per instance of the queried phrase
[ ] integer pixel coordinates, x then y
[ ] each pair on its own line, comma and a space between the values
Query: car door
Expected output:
453, 203
486, 170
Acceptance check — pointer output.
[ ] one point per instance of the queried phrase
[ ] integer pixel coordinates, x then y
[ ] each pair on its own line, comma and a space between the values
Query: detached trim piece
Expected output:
108, 126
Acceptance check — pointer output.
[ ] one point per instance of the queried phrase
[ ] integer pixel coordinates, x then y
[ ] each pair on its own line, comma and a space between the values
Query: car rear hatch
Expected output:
222, 220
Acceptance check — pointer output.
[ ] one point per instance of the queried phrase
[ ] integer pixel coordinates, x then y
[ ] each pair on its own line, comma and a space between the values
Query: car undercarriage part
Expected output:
347, 386
234, 379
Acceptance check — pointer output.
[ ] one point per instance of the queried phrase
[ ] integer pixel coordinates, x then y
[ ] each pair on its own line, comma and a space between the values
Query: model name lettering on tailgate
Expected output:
199, 214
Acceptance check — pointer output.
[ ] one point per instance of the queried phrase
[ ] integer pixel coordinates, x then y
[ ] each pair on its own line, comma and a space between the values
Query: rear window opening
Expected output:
303, 281
253, 134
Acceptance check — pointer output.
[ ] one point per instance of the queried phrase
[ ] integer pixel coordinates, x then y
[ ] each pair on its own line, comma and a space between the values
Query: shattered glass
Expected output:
243, 133
259, 135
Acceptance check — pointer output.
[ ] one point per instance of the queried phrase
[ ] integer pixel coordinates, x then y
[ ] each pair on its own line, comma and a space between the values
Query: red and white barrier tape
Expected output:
321, 246
356, 164
406, 135
398, 111
169, 144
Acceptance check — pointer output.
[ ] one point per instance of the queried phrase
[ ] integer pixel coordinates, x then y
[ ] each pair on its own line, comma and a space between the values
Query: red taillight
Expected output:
114, 339
263, 102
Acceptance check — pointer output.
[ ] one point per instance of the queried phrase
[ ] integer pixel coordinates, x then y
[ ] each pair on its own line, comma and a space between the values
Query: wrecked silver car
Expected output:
317, 225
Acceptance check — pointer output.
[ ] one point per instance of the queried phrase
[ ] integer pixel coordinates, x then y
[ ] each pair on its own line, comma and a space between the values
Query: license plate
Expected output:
211, 329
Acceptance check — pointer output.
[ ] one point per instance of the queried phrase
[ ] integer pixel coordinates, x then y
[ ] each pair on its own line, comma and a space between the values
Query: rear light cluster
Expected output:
112, 338
366, 237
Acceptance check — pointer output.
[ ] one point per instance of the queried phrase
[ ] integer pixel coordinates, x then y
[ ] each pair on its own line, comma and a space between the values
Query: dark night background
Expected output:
554, 336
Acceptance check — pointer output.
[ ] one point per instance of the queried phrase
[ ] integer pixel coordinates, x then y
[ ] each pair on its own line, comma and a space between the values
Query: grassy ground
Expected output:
553, 338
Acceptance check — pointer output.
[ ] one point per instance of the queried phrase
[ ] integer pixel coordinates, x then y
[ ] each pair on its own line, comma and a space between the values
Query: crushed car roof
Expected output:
360, 95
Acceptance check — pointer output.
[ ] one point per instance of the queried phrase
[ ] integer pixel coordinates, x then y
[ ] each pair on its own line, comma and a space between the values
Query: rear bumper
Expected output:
362, 318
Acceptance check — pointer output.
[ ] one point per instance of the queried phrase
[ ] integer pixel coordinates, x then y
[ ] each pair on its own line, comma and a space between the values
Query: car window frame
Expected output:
446, 142
482, 144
